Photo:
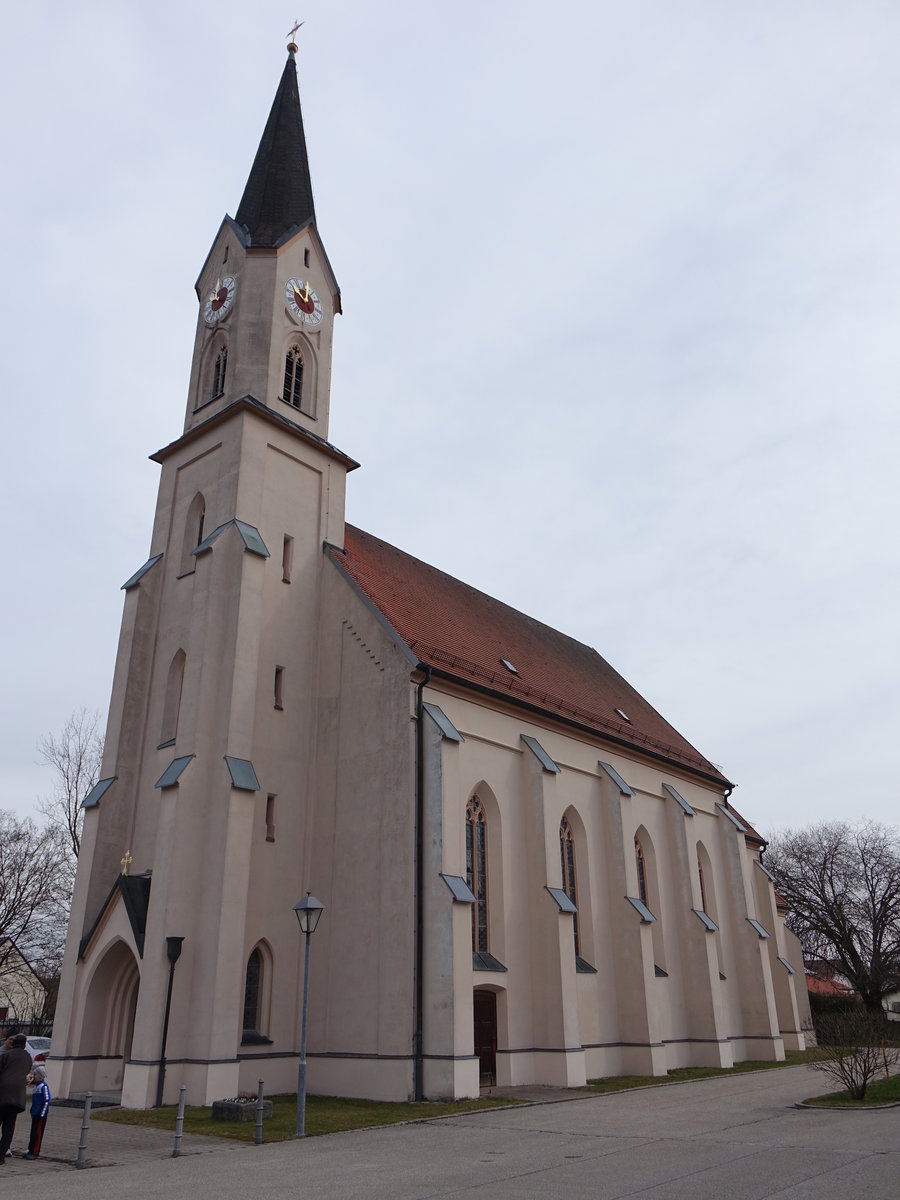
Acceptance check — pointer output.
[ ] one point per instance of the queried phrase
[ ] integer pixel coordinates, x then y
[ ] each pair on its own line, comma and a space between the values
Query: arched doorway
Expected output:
109, 1016
485, 1017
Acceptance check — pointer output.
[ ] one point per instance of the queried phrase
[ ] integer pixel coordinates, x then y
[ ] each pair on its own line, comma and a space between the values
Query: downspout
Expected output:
418, 1044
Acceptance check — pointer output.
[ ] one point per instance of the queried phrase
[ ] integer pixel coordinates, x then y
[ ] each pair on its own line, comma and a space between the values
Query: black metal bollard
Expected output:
179, 1122
257, 1137
85, 1122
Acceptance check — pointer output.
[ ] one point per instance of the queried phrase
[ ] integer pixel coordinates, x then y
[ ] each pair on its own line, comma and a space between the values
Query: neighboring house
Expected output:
529, 875
823, 978
22, 994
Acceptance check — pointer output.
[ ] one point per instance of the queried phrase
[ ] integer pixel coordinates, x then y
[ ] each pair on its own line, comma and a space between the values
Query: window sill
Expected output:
207, 403
278, 707
251, 1038
482, 960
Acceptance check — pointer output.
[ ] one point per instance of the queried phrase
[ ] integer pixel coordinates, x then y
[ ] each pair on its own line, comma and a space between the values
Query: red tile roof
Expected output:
464, 634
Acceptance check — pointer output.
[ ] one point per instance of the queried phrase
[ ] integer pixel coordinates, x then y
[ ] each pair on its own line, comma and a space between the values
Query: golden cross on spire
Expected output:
126, 860
292, 44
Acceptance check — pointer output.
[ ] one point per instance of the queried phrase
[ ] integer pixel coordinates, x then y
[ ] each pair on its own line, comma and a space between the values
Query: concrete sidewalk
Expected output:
108, 1144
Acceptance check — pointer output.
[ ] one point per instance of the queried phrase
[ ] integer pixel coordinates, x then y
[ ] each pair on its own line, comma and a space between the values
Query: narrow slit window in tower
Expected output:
287, 558
279, 688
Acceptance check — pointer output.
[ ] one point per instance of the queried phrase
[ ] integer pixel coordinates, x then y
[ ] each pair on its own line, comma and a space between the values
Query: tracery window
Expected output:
476, 870
293, 376
218, 376
567, 861
641, 871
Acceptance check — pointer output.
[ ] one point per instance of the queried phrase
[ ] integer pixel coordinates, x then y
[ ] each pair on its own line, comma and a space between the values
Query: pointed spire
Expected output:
278, 195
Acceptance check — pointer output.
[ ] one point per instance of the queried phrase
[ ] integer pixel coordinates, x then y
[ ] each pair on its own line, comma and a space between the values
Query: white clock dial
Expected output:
302, 302
220, 300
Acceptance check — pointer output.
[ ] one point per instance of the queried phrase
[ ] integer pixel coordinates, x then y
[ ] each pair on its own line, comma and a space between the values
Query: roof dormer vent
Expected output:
509, 666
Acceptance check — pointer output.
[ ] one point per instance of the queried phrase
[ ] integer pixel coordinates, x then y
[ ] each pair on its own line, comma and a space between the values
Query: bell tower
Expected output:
208, 772
267, 294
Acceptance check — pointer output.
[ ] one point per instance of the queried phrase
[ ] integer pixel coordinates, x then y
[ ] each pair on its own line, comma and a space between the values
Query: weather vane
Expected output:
292, 45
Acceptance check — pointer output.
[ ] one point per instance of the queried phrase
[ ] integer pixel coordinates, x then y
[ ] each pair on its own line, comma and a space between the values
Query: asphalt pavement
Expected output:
730, 1138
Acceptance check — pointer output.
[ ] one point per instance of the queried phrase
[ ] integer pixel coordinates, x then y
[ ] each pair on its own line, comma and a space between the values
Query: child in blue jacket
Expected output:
40, 1106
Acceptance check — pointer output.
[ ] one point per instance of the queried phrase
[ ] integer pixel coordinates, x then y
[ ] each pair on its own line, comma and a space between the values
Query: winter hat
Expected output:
38, 1071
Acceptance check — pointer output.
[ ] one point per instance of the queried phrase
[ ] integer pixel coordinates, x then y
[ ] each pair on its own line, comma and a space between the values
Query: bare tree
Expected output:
851, 1049
841, 883
74, 754
34, 895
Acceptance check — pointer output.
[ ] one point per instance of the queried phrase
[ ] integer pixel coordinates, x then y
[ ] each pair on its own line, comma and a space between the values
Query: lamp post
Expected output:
308, 911
173, 953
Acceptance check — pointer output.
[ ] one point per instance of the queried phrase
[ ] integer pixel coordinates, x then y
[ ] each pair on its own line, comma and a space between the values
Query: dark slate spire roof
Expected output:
278, 195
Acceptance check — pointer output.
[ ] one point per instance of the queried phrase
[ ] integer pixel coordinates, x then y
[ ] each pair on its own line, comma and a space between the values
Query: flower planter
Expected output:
239, 1110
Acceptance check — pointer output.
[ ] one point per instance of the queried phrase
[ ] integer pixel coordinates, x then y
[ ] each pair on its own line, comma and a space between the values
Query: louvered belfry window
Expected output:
476, 870
218, 383
567, 856
293, 376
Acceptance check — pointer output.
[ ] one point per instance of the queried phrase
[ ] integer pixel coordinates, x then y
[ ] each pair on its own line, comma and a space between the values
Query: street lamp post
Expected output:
308, 911
173, 953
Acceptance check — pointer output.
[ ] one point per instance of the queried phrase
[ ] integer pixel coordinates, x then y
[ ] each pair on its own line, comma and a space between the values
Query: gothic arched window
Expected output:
702, 885
567, 860
293, 376
218, 375
252, 989
476, 870
641, 871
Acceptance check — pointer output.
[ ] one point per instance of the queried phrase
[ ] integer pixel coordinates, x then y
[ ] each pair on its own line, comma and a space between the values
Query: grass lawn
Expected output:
328, 1114
324, 1114
883, 1091
621, 1083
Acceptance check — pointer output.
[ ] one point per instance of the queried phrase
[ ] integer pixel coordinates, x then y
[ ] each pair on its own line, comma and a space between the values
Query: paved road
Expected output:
736, 1138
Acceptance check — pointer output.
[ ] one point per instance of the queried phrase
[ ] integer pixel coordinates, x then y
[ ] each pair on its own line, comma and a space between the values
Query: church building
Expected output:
529, 877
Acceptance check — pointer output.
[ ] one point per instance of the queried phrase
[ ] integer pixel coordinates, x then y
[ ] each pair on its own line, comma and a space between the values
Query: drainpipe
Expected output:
418, 1048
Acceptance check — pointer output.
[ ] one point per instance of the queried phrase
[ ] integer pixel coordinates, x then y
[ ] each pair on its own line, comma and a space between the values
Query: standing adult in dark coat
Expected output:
14, 1067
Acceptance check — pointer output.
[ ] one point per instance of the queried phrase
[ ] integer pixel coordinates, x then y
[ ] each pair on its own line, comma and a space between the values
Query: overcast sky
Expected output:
621, 289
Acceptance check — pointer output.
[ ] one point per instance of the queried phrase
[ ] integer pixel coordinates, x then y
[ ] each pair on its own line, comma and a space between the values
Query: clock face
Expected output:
302, 302
220, 300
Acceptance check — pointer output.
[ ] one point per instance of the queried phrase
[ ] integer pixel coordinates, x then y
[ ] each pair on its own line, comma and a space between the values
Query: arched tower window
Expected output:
567, 861
476, 870
641, 871
292, 392
193, 532
172, 704
702, 885
218, 374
